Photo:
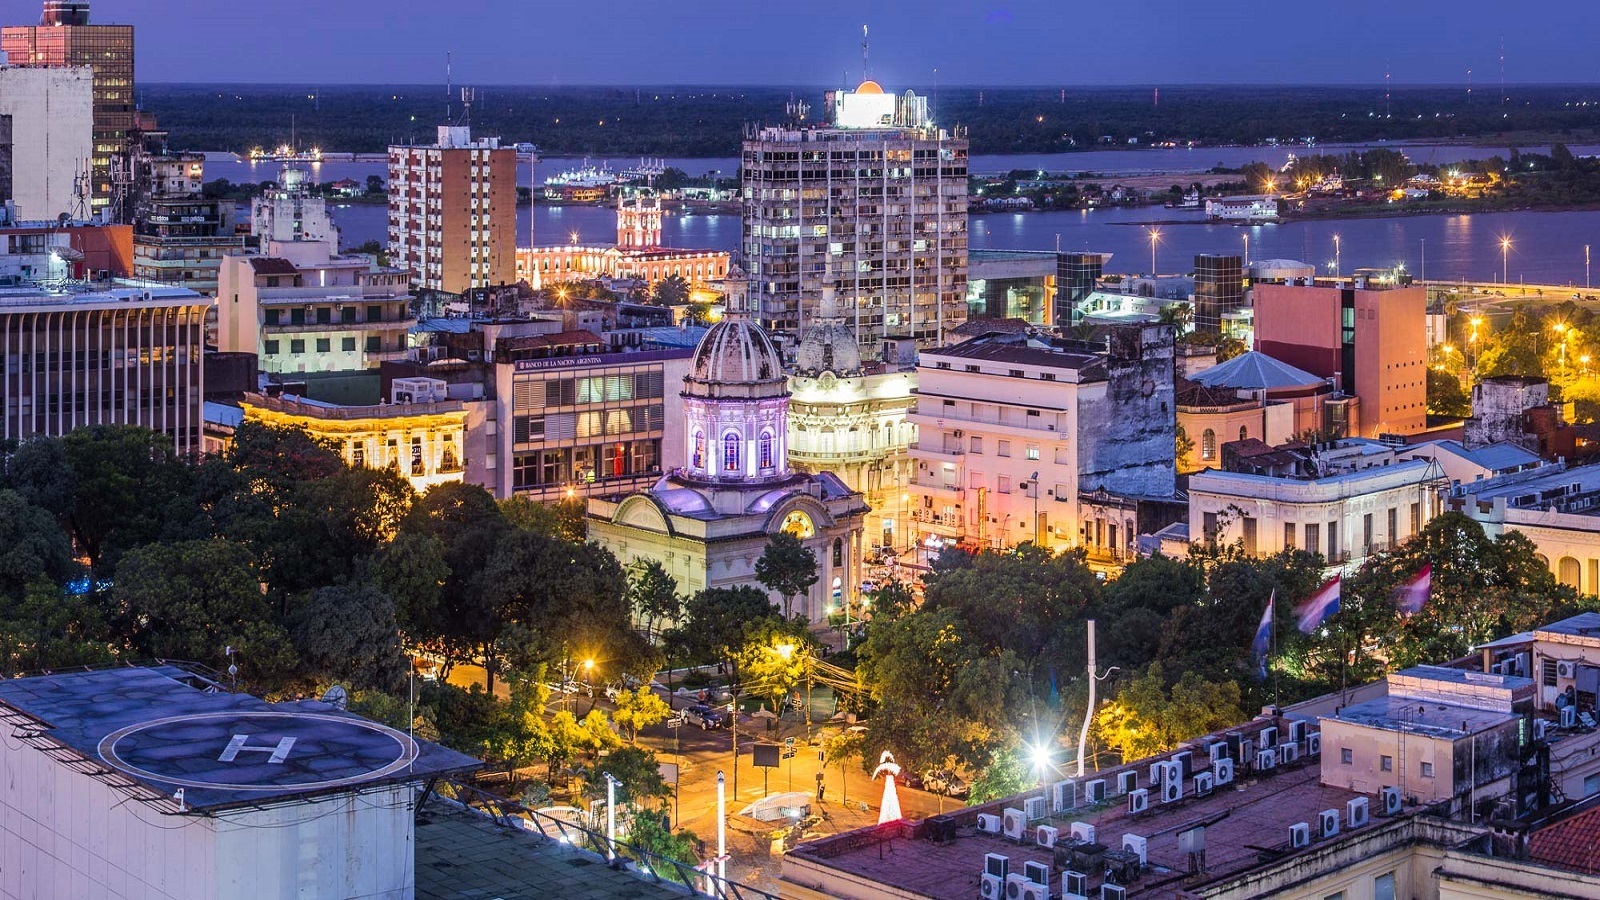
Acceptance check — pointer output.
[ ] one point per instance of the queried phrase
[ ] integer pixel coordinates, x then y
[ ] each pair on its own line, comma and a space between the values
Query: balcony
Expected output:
918, 449
330, 327
936, 489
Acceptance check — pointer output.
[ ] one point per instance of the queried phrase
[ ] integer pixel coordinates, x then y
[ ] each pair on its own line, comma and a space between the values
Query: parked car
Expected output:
943, 781
704, 716
613, 689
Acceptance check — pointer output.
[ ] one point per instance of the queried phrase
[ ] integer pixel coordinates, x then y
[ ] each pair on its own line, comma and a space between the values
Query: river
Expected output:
1546, 247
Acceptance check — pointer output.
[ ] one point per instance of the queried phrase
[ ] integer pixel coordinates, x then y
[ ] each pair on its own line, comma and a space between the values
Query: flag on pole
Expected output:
1411, 596
1319, 606
1263, 641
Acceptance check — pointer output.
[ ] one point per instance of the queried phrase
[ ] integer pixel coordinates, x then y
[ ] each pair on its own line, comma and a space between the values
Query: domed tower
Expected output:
736, 407
829, 345
639, 220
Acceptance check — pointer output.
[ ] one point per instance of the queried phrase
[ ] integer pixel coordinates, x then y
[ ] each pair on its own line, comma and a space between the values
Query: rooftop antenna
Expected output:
1503, 97
1386, 89
449, 93
864, 75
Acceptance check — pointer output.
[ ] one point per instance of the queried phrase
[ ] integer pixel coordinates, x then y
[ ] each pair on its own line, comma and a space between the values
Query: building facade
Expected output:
421, 435
50, 252
304, 310
179, 235
453, 211
47, 126
880, 194
709, 521
638, 253
1014, 432
124, 355
1218, 289
65, 39
290, 212
1370, 338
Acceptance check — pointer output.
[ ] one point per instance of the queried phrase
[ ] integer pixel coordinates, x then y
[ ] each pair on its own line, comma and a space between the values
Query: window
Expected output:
1288, 536
374, 314
1244, 432
1386, 763
273, 316
1003, 484
1208, 444
324, 345
699, 460
272, 348
374, 344
1548, 672
976, 445
766, 449
1427, 770
1366, 531
1033, 452
1383, 887
358, 454
1591, 785
730, 452
1003, 448
1347, 756
347, 344
838, 552
1208, 525
347, 315
1016, 373
297, 346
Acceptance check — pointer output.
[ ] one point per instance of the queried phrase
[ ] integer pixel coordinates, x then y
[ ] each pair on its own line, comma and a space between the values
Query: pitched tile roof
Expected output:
1569, 844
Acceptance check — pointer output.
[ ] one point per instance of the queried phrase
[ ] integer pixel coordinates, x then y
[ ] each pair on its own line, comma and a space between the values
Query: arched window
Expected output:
699, 450
1208, 444
766, 449
730, 452
1244, 432
838, 552
1567, 572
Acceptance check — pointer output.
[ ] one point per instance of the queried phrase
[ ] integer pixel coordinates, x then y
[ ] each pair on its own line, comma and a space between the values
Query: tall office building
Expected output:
1218, 289
129, 354
179, 235
1076, 276
45, 141
453, 211
63, 38
882, 191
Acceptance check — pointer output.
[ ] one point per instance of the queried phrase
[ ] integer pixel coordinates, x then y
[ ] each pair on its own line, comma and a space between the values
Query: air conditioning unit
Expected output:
1064, 795
1203, 783
1036, 808
1012, 823
1134, 843
1355, 812
1032, 891
1083, 831
1171, 791
1037, 873
1247, 752
1390, 798
1113, 892
1074, 886
1266, 760
1158, 772
1180, 764
1567, 669
1288, 753
1045, 836
1328, 823
1569, 716
1014, 884
997, 865
1095, 791
1269, 736
1314, 743
1127, 781
1219, 750
992, 888
989, 824
1297, 732
1497, 669
1541, 728
1222, 770
1299, 835
1138, 800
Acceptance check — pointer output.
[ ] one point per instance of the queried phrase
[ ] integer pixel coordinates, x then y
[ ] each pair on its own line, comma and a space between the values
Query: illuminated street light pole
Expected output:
1336, 257
722, 836
1505, 260
1155, 235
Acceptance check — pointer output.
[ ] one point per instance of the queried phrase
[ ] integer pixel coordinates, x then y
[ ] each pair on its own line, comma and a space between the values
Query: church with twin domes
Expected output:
709, 521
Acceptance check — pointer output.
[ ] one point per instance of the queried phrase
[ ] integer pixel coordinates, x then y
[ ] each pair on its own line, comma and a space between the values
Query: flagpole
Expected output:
1272, 603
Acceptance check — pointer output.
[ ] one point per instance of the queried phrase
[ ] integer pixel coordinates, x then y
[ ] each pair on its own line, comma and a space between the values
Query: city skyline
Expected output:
636, 42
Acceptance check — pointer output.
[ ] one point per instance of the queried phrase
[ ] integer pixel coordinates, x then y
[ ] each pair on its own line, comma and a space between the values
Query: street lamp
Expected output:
1155, 235
1505, 259
1336, 254
1038, 539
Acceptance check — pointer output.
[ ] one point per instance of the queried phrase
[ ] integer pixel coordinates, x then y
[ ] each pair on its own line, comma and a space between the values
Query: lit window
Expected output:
1208, 444
1033, 452
766, 449
699, 450
730, 452
1427, 770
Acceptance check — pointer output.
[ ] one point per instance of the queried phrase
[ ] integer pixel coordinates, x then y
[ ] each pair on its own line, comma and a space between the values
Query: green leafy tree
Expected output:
715, 621
560, 519
773, 658
412, 569
890, 600
639, 708
40, 472
1445, 396
638, 774
653, 595
786, 567
672, 290
1149, 716
843, 748
32, 547
1229, 347
650, 835
348, 633
130, 483
44, 628
1006, 775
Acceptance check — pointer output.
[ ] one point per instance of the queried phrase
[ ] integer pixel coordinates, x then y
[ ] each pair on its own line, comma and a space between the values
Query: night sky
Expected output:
816, 42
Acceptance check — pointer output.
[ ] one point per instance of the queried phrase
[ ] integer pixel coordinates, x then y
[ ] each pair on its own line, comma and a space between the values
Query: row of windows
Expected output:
374, 344
1347, 757
588, 389
323, 315
733, 451
589, 424
585, 465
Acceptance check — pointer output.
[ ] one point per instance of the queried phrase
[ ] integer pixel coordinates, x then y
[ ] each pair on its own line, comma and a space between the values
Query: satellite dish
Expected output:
336, 697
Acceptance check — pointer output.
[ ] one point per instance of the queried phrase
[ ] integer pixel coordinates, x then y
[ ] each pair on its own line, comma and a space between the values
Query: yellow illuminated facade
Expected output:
424, 442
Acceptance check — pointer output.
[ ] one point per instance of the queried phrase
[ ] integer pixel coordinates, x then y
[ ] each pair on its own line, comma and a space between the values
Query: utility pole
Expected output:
1088, 713
722, 835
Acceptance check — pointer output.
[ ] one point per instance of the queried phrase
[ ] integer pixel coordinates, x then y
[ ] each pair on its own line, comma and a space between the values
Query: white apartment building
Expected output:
49, 114
128, 354
878, 196
290, 212
1346, 500
303, 309
1013, 431
452, 211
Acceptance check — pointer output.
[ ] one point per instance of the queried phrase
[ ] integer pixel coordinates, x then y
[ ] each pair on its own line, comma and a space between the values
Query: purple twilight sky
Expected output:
972, 42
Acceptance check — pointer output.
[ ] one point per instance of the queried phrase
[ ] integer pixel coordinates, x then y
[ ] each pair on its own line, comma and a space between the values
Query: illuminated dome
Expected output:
869, 87
735, 358
828, 347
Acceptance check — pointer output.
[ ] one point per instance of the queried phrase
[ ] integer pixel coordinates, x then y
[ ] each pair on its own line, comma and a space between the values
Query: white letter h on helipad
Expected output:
279, 752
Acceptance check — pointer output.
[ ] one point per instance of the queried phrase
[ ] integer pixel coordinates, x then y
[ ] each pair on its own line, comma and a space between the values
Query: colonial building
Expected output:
1256, 396
849, 417
709, 521
638, 253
